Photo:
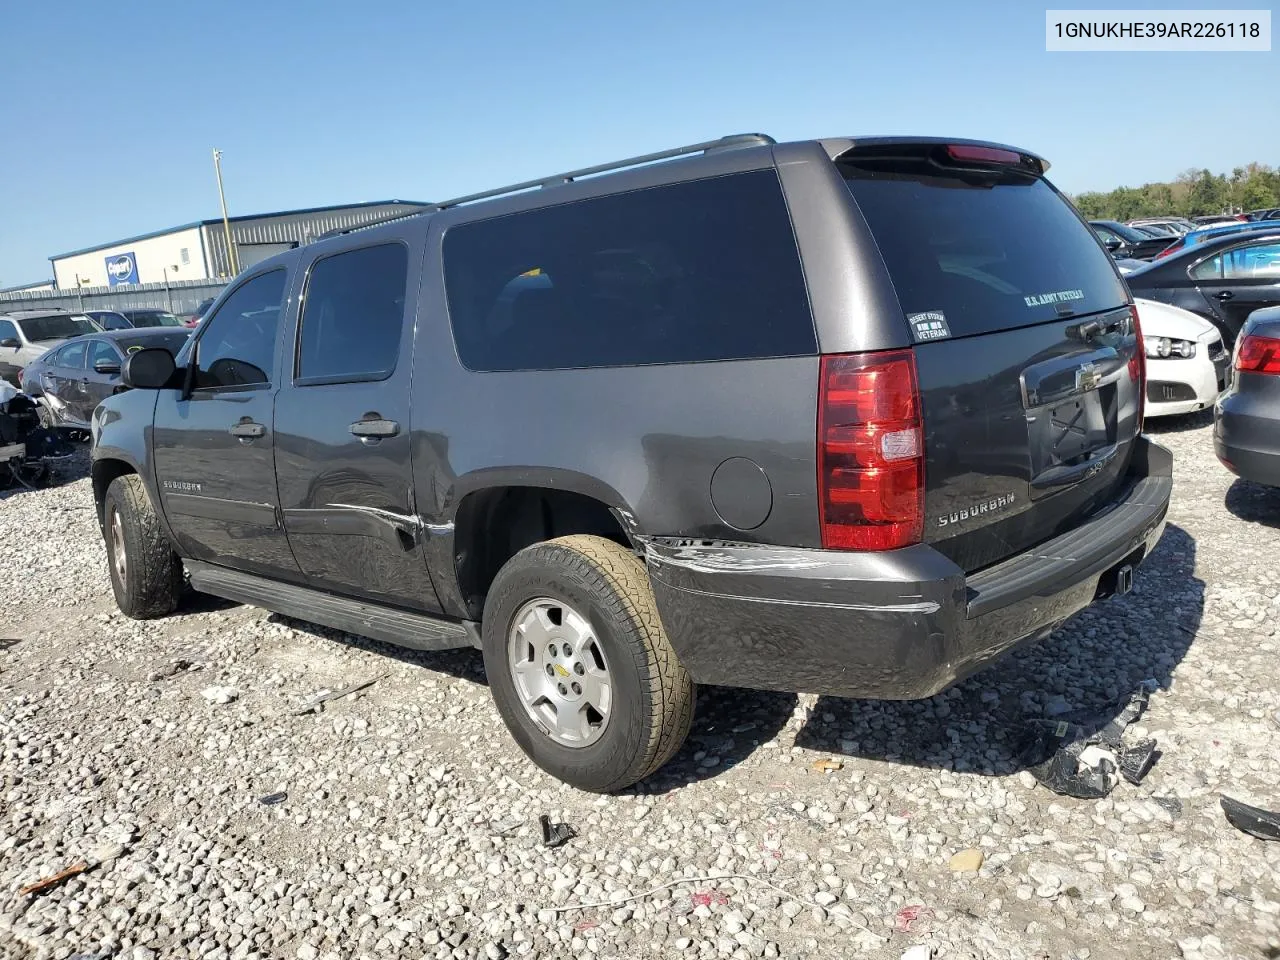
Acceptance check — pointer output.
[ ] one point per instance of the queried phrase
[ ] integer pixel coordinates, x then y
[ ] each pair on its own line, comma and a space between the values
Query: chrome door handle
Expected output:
1224, 295
374, 428
248, 430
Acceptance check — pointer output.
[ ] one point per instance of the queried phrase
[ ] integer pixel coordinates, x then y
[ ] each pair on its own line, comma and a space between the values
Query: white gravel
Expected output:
409, 826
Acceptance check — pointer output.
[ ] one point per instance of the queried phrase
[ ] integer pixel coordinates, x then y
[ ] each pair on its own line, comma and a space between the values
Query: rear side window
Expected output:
987, 251
703, 270
353, 314
1259, 261
72, 355
238, 343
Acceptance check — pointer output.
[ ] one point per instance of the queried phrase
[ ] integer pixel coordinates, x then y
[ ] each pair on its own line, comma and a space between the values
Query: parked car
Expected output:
193, 319
1124, 242
1218, 220
26, 334
1267, 213
1170, 226
1187, 364
1246, 421
1208, 233
109, 319
1222, 279
74, 378
151, 318
703, 444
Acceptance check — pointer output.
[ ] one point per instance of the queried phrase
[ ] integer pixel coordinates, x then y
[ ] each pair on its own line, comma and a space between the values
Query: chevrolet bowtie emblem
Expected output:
561, 670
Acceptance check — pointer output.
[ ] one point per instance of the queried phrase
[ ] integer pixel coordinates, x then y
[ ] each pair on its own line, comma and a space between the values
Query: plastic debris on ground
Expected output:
271, 799
1083, 755
827, 766
1255, 821
555, 834
905, 918
317, 702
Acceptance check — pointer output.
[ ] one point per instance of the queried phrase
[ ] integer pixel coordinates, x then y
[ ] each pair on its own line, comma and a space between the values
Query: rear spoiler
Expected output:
839, 147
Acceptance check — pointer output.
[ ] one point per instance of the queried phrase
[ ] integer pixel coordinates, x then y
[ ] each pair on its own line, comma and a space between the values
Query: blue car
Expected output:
1208, 233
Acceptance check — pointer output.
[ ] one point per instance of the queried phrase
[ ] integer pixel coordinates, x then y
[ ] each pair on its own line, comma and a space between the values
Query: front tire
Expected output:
580, 667
146, 575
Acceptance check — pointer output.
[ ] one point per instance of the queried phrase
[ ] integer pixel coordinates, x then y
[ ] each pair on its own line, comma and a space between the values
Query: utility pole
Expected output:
232, 256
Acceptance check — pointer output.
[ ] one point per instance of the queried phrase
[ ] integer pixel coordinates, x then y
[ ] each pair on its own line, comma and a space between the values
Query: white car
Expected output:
1187, 363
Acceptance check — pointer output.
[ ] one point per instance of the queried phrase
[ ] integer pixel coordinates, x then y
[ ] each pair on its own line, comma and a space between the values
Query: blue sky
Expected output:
110, 111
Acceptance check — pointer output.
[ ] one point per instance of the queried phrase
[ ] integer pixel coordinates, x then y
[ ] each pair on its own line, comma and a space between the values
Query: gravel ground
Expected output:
409, 821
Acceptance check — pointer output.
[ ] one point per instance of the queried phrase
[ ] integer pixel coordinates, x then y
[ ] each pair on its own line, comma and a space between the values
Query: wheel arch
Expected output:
495, 520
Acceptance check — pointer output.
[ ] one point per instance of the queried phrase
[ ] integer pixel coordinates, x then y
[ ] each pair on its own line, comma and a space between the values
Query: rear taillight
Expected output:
870, 451
1258, 355
1171, 248
1138, 366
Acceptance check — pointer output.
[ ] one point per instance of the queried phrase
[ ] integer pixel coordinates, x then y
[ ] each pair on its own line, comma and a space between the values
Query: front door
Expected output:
342, 423
214, 445
101, 376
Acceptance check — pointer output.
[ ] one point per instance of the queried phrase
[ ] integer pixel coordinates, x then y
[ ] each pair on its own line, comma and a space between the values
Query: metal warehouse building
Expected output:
198, 251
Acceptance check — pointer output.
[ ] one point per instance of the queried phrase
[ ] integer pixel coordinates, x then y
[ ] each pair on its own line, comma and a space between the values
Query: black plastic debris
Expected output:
271, 799
317, 702
1263, 824
1172, 804
1084, 756
7, 642
555, 834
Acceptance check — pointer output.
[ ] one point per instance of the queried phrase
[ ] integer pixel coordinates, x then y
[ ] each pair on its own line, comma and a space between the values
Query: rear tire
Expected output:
146, 575
608, 615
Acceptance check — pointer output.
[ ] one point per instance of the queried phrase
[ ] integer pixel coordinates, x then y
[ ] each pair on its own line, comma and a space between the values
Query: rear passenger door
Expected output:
65, 376
342, 423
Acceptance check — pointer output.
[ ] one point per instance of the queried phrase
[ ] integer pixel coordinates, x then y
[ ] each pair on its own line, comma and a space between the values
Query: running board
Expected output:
400, 627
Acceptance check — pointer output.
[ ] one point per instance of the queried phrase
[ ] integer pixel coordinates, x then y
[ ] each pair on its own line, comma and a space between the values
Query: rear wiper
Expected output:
1084, 332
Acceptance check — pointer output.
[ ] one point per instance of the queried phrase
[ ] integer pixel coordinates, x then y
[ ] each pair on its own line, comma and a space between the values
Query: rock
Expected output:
1025, 779
825, 898
966, 861
919, 952
220, 694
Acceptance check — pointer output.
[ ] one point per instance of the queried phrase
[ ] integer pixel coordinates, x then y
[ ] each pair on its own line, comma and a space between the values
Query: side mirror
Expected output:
152, 369
1112, 244
10, 342
107, 367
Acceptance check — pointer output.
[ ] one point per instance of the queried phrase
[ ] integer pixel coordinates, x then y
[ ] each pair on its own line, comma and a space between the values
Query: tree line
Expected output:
1196, 192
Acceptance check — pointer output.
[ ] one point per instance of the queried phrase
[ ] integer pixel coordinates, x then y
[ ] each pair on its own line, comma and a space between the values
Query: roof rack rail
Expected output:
707, 146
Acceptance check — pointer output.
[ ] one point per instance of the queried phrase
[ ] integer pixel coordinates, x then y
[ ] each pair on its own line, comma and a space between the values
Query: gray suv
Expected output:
847, 416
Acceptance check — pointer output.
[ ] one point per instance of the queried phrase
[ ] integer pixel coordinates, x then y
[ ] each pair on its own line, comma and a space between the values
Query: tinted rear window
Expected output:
989, 252
173, 343
703, 270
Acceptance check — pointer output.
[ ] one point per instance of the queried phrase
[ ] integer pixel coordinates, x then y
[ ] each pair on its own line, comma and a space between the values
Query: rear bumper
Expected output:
899, 625
1246, 437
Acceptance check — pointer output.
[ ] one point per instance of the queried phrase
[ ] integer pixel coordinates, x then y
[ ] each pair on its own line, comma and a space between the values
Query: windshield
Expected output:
985, 251
56, 328
153, 318
170, 341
